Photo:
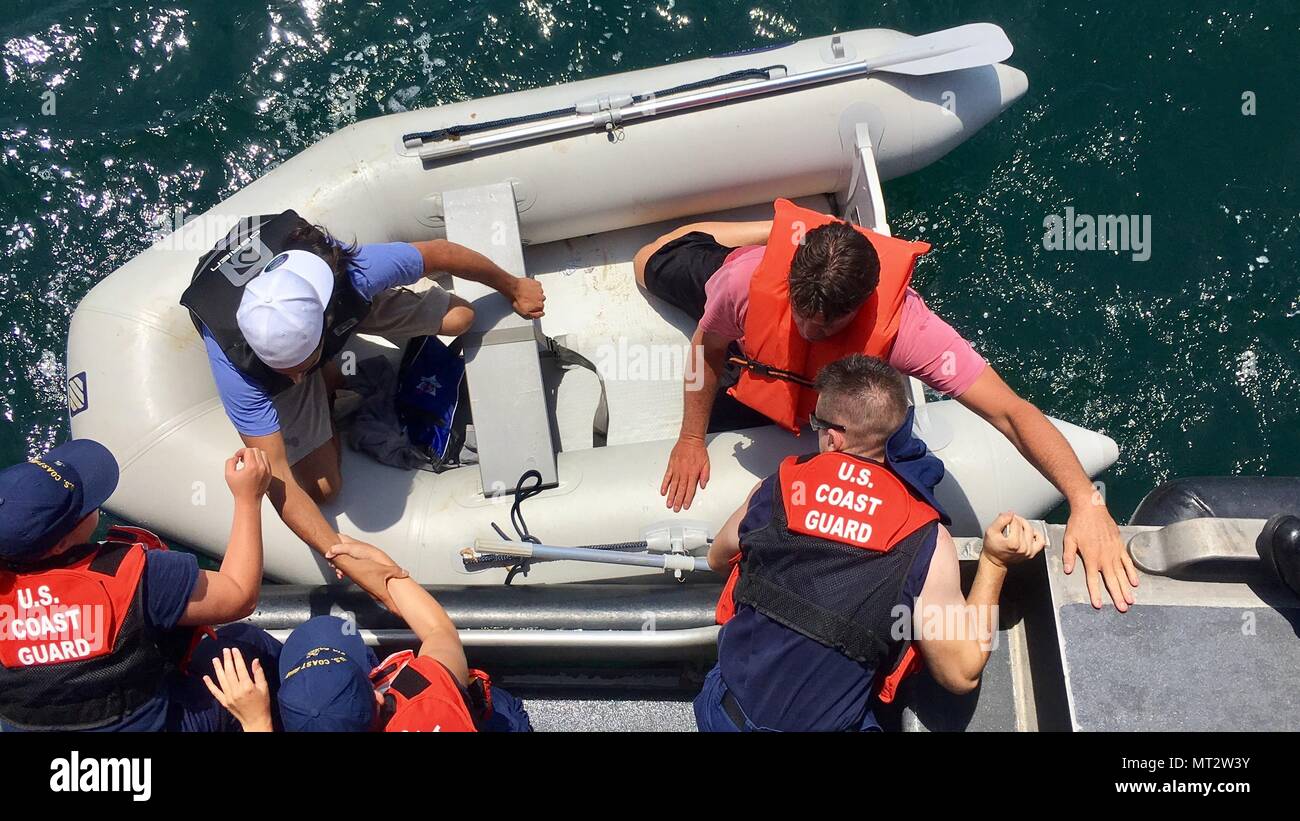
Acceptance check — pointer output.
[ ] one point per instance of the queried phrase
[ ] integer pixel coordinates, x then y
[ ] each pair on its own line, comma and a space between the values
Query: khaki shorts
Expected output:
396, 315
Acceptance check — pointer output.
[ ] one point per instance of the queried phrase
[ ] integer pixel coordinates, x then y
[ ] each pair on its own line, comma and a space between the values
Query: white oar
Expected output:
954, 49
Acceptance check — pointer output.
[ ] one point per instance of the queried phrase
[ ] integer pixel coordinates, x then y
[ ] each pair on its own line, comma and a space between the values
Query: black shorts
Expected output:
678, 272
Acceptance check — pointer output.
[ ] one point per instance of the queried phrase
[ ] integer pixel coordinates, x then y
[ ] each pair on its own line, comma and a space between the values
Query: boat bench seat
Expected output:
637, 341
507, 399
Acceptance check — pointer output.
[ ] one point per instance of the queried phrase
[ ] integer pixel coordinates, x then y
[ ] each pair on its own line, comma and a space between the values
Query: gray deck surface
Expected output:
924, 707
930, 708
562, 715
1175, 667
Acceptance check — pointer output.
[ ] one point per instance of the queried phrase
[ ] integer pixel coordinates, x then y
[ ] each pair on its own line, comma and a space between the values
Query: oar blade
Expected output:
954, 49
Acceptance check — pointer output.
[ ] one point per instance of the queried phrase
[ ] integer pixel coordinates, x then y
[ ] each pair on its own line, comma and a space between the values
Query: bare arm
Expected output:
955, 650
438, 637
1090, 531
708, 358
726, 543
1031, 432
415, 605
729, 234
688, 464
231, 593
441, 256
296, 508
956, 658
301, 513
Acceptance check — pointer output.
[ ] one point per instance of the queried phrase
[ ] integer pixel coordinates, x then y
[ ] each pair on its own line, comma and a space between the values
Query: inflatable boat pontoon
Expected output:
563, 199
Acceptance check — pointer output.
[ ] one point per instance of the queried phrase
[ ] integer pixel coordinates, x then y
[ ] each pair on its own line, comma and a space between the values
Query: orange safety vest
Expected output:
75, 649
422, 696
778, 364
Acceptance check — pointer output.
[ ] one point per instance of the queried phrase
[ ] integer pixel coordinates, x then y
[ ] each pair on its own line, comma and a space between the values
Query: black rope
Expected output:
721, 79
517, 518
524, 492
453, 132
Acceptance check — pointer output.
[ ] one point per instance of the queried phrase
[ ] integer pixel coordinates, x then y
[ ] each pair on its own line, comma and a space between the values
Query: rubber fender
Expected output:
1224, 497
1279, 547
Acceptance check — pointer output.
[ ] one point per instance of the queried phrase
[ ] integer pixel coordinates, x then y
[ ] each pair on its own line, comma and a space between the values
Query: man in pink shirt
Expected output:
705, 269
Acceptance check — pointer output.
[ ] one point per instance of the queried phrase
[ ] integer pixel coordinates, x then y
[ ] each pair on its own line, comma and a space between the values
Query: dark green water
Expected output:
1189, 360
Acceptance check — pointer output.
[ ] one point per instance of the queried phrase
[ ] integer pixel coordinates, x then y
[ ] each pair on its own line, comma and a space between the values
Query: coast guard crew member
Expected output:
94, 635
829, 554
330, 681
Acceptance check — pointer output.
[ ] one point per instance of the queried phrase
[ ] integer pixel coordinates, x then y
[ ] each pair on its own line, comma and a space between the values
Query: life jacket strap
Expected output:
763, 369
478, 697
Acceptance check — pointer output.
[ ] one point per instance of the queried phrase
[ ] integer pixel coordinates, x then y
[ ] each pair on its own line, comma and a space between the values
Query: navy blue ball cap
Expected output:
325, 678
43, 499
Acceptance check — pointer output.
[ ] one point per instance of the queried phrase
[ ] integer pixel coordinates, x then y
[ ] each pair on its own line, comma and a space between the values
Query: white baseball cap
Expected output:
282, 312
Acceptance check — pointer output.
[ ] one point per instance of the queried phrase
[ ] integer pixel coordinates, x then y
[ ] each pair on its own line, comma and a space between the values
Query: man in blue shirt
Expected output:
95, 636
272, 329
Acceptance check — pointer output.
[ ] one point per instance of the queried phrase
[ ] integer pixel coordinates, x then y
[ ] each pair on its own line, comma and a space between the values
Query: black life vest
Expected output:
217, 287
76, 651
831, 561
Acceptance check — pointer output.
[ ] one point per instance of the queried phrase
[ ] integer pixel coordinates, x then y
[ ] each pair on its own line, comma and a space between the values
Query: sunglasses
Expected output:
819, 424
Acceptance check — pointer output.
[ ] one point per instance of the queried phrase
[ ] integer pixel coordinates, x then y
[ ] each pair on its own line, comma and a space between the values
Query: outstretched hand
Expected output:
688, 467
1091, 533
245, 694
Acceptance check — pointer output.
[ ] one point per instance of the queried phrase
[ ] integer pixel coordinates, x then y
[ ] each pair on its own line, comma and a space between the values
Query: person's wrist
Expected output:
394, 573
383, 560
993, 562
1085, 500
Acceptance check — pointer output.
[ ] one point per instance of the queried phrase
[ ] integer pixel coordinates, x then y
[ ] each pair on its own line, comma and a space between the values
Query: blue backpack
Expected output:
430, 382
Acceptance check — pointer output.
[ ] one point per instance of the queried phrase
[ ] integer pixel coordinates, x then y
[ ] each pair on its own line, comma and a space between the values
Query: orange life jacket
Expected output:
824, 504
75, 649
779, 364
421, 695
